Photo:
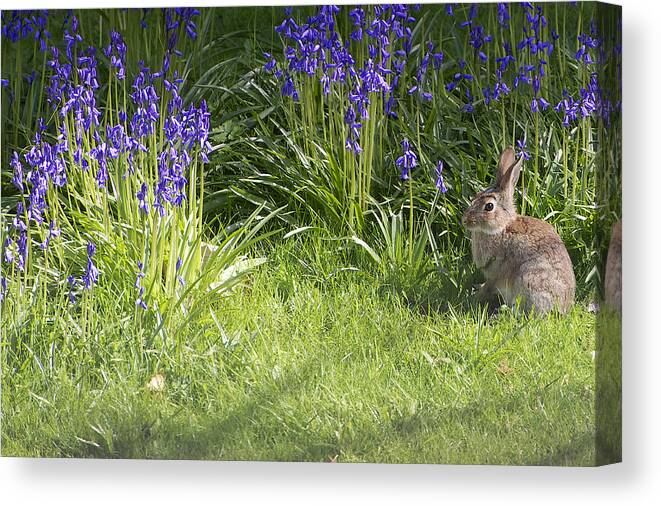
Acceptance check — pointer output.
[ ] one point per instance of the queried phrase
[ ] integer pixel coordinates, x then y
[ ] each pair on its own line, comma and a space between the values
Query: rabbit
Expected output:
521, 257
613, 276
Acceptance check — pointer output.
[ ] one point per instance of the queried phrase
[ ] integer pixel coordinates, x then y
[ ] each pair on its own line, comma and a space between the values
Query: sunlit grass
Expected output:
299, 366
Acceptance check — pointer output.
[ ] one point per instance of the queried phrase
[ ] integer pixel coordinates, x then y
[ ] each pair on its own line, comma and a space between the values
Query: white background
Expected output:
636, 481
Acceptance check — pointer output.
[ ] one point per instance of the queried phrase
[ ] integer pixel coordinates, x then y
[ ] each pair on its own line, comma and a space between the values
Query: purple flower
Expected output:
177, 267
586, 44
289, 90
141, 289
9, 250
351, 143
538, 103
140, 301
570, 108
478, 39
270, 64
407, 161
52, 232
116, 51
22, 24
17, 221
72, 36
468, 106
437, 60
17, 178
31, 76
440, 184
3, 287
505, 60
459, 77
472, 13
22, 246
141, 195
91, 275
72, 284
521, 144
503, 15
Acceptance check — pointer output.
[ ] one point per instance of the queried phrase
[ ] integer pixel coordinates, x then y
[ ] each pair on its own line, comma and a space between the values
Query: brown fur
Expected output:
521, 257
613, 276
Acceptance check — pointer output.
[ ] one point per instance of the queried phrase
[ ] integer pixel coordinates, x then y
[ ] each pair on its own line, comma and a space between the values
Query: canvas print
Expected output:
384, 233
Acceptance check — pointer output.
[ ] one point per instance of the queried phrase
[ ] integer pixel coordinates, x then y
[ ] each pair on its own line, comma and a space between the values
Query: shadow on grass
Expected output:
608, 383
433, 296
259, 428
579, 451
180, 433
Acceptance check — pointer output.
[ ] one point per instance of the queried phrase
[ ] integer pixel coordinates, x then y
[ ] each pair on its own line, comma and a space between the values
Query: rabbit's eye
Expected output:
489, 206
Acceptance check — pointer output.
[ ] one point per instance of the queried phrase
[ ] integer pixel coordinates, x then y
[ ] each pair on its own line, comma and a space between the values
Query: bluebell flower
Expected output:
504, 61
538, 103
521, 144
570, 108
72, 285
288, 89
468, 106
18, 25
143, 20
141, 289
501, 88
437, 59
488, 95
407, 161
72, 37
459, 77
17, 178
53, 231
9, 250
472, 13
141, 195
477, 39
503, 15
17, 220
270, 64
91, 275
22, 250
116, 51
3, 287
140, 300
29, 78
177, 268
440, 184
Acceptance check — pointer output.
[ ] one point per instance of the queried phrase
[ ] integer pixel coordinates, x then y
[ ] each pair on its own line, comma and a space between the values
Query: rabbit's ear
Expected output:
508, 170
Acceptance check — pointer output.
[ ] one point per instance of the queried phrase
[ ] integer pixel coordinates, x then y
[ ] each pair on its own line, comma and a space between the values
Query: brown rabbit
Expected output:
613, 277
521, 257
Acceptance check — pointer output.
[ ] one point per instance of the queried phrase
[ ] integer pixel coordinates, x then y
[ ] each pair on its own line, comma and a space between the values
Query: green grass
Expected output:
313, 363
608, 394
